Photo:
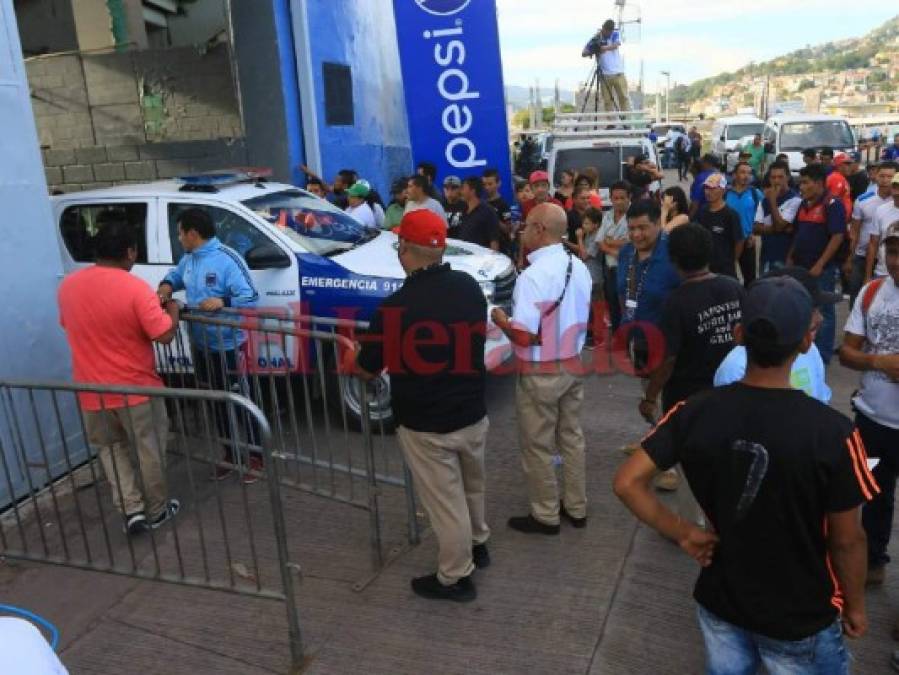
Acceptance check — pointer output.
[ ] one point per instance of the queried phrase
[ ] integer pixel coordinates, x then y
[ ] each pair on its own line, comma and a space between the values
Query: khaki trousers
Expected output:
449, 476
119, 433
615, 85
549, 408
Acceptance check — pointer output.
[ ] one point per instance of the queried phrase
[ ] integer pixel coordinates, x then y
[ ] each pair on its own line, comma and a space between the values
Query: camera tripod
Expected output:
597, 84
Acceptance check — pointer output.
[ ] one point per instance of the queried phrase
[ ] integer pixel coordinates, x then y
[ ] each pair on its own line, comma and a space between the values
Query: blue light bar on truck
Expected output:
211, 181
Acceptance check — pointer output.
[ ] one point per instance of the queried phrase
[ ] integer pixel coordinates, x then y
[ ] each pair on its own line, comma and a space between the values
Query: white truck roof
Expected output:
803, 117
231, 192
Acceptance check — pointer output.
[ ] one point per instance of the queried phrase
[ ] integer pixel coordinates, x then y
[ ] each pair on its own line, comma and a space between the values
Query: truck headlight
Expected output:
489, 289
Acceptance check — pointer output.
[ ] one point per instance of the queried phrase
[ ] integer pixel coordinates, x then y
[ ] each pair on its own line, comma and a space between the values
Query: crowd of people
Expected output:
722, 302
724, 305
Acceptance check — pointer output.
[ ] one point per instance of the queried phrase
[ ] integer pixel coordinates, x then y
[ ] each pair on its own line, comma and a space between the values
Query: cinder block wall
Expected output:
116, 118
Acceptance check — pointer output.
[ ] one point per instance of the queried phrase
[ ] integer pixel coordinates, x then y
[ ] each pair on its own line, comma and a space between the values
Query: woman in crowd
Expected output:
675, 209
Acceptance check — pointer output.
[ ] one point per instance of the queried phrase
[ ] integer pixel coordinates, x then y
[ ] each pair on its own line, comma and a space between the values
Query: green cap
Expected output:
358, 190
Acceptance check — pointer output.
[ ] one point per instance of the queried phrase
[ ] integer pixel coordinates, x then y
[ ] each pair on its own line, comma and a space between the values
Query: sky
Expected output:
543, 38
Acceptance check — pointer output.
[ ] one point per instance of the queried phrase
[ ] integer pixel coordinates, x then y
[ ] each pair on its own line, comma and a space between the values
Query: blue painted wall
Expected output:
361, 34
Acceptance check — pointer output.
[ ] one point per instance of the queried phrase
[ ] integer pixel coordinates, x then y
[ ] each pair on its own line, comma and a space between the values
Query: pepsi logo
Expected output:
443, 7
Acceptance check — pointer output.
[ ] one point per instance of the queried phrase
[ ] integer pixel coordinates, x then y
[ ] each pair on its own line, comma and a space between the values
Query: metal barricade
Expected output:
327, 439
225, 537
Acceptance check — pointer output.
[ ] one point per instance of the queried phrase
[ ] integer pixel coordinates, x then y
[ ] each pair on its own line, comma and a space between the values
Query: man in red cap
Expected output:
837, 183
434, 353
540, 186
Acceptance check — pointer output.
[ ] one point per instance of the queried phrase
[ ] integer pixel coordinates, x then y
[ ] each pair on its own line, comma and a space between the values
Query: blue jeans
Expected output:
734, 651
826, 337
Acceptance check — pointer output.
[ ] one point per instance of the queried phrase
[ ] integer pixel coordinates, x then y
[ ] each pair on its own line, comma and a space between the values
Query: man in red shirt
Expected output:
111, 319
837, 185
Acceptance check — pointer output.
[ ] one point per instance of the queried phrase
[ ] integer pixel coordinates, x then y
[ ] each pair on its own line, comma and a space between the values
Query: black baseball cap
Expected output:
783, 304
809, 283
892, 232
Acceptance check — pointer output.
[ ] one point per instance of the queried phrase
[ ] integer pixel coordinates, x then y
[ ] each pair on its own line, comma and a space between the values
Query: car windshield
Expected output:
607, 160
801, 135
736, 131
312, 222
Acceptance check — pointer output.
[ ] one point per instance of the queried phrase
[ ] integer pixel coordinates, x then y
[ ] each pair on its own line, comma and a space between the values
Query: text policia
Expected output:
267, 352
453, 85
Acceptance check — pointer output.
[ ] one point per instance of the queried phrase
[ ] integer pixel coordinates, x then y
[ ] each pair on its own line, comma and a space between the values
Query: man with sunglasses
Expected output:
548, 329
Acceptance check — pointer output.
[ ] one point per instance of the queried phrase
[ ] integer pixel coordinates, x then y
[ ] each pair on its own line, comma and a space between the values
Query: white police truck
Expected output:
305, 255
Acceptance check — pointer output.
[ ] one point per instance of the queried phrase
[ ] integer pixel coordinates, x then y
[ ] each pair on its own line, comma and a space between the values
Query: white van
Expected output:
792, 133
304, 255
728, 133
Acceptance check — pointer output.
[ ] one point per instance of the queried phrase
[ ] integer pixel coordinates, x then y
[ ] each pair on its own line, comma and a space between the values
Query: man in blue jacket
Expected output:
214, 276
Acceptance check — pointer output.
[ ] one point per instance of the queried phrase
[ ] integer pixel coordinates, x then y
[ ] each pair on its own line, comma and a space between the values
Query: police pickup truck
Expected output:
305, 256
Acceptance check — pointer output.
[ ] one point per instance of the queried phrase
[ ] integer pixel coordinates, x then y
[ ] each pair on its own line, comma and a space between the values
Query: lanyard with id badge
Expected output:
634, 288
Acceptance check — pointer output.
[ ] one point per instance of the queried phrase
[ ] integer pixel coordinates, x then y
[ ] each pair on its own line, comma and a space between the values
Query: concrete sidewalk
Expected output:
612, 599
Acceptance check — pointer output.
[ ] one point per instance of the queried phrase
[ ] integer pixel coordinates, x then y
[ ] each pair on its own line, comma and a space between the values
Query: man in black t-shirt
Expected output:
698, 322
480, 224
723, 223
780, 477
437, 381
492, 183
453, 205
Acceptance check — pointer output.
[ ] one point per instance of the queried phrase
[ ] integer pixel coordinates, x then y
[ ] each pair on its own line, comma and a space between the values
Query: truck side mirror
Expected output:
266, 257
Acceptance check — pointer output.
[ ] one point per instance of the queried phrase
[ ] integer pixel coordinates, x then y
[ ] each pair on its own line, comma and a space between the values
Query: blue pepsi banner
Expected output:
453, 79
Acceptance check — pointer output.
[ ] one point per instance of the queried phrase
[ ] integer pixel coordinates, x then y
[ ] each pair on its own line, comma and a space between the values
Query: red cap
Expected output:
539, 176
422, 227
841, 158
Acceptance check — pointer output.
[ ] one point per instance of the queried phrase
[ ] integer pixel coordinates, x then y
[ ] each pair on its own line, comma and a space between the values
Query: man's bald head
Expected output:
553, 219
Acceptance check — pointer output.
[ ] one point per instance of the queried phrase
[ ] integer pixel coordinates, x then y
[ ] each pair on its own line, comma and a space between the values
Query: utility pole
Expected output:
667, 74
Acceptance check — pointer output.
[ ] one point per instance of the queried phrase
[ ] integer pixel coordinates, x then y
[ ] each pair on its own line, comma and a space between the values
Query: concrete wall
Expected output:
362, 35
99, 166
134, 97
46, 26
259, 77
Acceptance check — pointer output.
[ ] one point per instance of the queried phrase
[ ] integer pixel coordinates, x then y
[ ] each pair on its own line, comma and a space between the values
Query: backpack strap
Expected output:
870, 295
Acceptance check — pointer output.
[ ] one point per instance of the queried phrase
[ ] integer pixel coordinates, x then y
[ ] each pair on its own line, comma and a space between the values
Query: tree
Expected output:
806, 84
522, 119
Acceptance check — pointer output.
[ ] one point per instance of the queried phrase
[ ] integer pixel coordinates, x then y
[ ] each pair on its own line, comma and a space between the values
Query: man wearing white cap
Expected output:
723, 223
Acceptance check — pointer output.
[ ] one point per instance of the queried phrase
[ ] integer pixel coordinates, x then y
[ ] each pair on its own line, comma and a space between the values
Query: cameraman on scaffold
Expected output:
612, 82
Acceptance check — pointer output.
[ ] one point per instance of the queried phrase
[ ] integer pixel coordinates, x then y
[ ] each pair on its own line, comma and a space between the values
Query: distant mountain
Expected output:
519, 97
829, 57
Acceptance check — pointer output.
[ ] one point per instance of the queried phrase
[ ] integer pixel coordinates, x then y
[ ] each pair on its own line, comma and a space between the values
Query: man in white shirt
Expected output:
417, 197
871, 345
862, 226
885, 215
548, 329
359, 208
606, 45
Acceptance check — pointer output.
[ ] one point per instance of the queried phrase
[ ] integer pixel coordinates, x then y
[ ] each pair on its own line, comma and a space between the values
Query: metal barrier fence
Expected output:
224, 538
330, 430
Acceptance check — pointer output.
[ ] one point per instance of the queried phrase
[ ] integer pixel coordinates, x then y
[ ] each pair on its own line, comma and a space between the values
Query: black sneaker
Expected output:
575, 522
170, 511
530, 525
480, 556
135, 523
430, 587
894, 661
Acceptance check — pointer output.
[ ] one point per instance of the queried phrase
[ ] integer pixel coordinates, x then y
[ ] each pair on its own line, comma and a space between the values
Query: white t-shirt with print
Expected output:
886, 215
878, 398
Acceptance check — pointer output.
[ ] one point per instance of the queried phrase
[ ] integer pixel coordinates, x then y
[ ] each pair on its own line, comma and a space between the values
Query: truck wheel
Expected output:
345, 397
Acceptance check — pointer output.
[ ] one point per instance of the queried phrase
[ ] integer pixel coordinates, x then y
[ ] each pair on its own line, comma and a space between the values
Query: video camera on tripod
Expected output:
604, 37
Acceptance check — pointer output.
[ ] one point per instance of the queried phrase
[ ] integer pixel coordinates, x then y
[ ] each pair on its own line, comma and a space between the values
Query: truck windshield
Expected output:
736, 131
801, 135
315, 224
606, 160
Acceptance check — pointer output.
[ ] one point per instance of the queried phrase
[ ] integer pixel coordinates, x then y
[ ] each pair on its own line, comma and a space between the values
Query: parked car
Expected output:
792, 133
729, 133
